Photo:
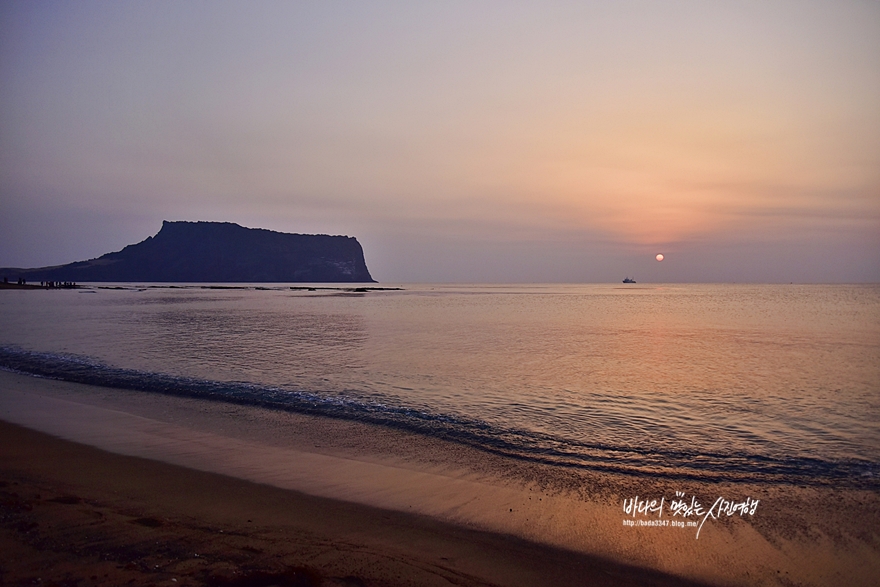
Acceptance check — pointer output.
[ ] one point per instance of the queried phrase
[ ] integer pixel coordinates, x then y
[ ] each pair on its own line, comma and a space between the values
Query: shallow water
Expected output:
735, 382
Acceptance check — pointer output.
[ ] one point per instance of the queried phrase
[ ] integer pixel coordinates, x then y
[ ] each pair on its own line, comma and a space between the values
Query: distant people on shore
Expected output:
21, 281
58, 284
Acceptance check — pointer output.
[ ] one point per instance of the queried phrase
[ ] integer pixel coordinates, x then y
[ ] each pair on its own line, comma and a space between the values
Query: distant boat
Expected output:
629, 280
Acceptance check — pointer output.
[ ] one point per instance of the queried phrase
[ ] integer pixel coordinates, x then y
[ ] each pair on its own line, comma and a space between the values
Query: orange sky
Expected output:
582, 138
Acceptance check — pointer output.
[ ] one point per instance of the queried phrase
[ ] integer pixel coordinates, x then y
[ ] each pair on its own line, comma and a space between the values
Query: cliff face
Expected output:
218, 252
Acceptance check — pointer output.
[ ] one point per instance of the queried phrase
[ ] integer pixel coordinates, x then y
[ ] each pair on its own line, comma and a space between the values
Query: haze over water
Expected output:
459, 142
739, 382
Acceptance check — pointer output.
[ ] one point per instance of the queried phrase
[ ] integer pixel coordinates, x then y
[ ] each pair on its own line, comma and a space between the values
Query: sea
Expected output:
729, 382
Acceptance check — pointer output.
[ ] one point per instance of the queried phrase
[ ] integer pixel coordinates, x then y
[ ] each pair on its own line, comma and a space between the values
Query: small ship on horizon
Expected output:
629, 280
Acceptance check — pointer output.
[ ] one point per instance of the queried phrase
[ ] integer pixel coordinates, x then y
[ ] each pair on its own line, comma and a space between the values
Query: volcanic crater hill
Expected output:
221, 252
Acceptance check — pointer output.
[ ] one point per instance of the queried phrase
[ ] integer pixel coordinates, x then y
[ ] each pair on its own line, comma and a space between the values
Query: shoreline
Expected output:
806, 535
29, 286
75, 513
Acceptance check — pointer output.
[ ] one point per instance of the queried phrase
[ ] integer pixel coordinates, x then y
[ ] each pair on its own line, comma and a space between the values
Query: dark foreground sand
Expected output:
75, 515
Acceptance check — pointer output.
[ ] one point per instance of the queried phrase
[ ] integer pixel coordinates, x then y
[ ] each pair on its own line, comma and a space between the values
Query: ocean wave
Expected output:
514, 443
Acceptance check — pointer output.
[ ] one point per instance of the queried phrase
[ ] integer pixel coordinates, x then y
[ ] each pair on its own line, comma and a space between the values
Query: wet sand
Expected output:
330, 502
72, 514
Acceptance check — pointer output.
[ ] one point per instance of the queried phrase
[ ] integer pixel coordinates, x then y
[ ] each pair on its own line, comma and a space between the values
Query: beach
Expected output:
556, 294
341, 503
76, 515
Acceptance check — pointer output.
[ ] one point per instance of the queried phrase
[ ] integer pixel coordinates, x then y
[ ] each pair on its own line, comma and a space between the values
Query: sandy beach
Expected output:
76, 515
177, 494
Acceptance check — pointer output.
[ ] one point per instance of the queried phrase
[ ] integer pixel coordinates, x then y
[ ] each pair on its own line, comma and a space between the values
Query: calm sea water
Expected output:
775, 383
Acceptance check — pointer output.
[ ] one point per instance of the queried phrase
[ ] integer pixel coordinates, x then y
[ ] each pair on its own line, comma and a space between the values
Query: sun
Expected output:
659, 257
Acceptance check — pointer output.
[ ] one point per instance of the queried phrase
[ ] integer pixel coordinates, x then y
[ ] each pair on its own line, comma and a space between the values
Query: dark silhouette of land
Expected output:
219, 252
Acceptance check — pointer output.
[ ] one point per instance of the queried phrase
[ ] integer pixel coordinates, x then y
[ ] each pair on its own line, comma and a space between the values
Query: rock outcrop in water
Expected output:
218, 252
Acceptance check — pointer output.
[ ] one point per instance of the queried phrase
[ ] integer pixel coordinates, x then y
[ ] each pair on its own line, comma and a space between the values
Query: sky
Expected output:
458, 141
